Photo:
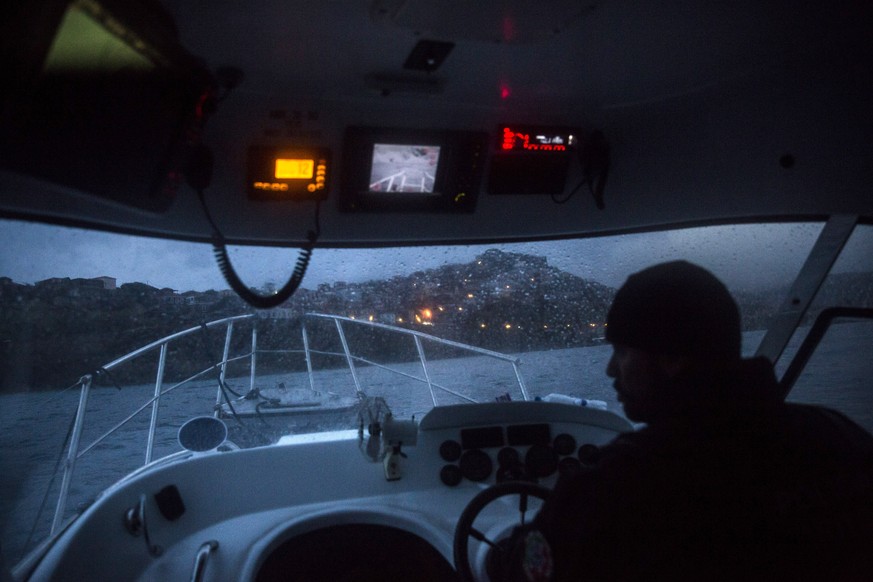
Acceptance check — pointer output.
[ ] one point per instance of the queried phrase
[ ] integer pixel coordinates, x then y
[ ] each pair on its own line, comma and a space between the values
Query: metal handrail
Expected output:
402, 330
74, 452
157, 343
418, 336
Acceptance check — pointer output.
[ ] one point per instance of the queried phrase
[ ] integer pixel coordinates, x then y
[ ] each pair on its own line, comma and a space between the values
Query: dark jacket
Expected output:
735, 486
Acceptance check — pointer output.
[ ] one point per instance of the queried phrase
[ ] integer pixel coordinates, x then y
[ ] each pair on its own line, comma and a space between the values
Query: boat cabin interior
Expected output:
346, 166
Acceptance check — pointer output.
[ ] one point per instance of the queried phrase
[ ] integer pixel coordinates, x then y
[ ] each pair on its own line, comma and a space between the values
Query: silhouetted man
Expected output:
726, 481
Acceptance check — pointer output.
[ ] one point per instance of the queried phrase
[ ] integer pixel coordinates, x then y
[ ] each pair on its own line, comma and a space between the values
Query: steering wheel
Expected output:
465, 530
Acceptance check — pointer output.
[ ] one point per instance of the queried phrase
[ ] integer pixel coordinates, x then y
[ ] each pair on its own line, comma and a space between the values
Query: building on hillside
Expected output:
108, 282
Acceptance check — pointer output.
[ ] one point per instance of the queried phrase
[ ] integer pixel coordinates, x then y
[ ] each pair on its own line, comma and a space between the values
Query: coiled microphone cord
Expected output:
219, 249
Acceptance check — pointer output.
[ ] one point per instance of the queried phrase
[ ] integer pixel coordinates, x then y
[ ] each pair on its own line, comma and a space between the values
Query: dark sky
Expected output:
745, 256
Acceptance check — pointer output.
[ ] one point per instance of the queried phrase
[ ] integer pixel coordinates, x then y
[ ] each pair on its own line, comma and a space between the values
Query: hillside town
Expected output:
504, 301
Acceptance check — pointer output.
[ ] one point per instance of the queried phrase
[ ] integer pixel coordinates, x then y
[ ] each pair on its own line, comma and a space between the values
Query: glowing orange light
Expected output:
270, 186
294, 169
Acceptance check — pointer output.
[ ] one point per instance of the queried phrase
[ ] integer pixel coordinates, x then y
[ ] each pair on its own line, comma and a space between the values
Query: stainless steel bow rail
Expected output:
76, 451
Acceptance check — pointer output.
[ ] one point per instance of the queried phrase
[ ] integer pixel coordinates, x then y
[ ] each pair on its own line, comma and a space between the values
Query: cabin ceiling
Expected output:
566, 53
701, 102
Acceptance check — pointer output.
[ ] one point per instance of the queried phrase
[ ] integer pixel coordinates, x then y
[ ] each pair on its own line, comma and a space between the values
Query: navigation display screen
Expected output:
404, 168
411, 170
532, 139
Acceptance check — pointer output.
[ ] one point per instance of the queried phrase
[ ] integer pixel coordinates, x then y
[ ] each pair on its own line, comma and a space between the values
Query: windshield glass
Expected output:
74, 302
839, 371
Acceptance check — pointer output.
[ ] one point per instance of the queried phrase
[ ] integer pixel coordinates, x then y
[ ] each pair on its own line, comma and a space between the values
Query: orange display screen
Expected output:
294, 169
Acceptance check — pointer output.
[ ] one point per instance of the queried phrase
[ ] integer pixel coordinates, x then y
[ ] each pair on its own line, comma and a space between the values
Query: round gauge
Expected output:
450, 451
508, 457
569, 466
476, 465
588, 454
564, 444
512, 473
541, 461
450, 475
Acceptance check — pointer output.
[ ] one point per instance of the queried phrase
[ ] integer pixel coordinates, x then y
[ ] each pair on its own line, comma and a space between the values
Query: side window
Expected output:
839, 374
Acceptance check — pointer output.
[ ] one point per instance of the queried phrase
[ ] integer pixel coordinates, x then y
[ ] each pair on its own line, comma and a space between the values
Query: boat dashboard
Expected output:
322, 507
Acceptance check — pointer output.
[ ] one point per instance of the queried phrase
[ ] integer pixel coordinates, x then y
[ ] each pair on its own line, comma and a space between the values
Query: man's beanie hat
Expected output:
676, 308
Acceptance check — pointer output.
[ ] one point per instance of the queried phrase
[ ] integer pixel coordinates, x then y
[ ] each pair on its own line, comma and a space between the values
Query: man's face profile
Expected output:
639, 382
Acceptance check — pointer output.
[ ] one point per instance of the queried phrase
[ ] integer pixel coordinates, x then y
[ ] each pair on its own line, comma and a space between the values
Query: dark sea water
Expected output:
35, 424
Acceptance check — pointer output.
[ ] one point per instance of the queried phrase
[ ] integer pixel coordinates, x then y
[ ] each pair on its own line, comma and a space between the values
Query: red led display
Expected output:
534, 140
